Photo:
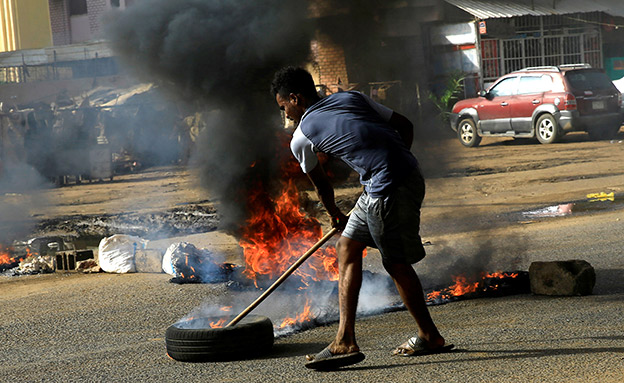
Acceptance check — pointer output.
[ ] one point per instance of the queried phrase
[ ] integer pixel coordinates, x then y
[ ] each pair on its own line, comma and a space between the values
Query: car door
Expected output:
530, 95
494, 110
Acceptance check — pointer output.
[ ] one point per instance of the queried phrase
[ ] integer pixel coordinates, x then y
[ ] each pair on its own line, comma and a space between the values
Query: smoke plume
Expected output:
220, 56
19, 199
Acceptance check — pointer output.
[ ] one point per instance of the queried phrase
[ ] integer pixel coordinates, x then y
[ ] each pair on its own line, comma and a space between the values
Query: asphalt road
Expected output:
110, 328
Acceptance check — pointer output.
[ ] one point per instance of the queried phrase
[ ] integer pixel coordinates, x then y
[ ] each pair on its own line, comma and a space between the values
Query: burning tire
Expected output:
196, 341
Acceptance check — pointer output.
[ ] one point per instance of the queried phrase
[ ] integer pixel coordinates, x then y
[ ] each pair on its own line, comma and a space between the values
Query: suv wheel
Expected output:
546, 129
467, 133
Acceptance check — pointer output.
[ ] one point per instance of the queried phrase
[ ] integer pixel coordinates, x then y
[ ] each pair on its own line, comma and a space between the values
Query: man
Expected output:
375, 142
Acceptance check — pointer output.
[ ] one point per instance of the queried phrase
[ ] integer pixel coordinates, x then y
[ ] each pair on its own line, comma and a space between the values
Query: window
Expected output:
534, 84
590, 80
77, 7
504, 88
120, 4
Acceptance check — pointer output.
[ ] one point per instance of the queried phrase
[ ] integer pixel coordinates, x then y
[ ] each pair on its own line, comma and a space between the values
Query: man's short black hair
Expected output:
293, 80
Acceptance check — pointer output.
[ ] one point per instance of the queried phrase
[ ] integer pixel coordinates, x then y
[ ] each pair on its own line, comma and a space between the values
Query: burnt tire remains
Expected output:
196, 341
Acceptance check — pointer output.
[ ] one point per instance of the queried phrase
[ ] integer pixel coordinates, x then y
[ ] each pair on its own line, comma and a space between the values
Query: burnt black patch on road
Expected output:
184, 220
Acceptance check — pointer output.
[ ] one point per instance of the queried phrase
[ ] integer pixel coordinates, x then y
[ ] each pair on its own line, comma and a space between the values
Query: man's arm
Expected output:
325, 192
401, 124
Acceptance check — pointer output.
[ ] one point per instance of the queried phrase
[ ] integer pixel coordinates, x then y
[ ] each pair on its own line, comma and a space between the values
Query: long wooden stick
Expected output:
286, 274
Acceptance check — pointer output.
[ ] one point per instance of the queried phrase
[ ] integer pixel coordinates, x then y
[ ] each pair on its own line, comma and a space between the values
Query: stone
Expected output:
562, 278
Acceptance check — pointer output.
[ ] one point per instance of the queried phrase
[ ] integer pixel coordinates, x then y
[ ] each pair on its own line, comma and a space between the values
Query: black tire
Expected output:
467, 133
196, 341
547, 130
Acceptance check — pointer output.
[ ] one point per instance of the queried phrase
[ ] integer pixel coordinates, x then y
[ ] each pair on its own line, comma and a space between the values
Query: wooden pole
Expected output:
286, 274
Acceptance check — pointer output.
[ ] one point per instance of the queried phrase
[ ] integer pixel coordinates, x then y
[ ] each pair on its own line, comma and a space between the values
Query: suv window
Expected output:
535, 84
504, 88
588, 80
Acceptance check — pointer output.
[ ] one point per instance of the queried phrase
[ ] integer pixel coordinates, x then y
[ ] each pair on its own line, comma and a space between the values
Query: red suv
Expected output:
542, 102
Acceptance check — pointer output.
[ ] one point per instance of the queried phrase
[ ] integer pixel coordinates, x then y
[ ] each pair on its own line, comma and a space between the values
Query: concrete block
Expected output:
574, 277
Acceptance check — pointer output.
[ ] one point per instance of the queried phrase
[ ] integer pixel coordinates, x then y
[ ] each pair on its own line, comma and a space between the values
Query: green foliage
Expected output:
453, 90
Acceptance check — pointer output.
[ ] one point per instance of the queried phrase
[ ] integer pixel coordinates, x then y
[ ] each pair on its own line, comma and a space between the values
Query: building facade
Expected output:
484, 40
24, 24
76, 21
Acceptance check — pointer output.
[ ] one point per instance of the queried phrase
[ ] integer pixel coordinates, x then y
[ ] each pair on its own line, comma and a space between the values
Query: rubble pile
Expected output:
35, 264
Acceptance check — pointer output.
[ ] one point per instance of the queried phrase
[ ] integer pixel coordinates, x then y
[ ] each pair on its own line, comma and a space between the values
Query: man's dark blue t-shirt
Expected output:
352, 127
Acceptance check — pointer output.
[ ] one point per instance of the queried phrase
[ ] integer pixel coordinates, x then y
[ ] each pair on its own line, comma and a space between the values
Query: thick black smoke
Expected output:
220, 55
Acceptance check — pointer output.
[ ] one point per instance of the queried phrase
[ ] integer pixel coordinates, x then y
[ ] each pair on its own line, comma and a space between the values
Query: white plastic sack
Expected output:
167, 263
174, 253
116, 253
184, 260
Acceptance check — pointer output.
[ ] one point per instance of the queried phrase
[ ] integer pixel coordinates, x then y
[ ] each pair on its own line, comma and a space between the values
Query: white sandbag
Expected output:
116, 253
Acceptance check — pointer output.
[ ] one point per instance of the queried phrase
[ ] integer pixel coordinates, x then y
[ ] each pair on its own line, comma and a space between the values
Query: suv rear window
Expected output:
588, 80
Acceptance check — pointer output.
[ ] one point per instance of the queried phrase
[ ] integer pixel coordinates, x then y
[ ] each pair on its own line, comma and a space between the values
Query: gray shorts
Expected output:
391, 224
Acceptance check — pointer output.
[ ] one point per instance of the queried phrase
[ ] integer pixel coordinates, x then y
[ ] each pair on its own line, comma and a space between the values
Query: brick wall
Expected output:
96, 9
331, 64
59, 20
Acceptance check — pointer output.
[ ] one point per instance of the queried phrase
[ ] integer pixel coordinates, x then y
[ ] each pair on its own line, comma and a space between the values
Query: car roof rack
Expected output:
539, 68
552, 68
574, 66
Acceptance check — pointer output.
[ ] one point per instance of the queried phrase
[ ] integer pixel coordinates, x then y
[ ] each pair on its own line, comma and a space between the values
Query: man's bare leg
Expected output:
349, 283
411, 291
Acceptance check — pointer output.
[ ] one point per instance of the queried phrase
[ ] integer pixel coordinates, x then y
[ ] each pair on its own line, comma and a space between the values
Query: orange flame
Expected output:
278, 233
218, 324
6, 257
304, 316
463, 286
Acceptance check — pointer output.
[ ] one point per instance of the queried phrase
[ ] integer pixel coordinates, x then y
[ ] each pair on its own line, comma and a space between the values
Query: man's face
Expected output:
292, 106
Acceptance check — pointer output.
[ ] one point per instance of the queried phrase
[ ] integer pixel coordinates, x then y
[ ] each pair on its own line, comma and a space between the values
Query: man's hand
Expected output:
339, 221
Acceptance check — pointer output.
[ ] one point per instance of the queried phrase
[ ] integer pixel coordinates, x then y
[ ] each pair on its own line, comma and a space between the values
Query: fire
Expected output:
304, 316
462, 285
221, 322
278, 233
218, 324
4, 256
7, 259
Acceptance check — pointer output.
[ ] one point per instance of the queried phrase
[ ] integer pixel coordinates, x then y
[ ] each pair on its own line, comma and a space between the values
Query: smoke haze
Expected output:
220, 56
19, 199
